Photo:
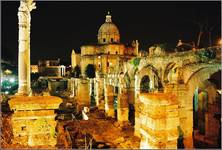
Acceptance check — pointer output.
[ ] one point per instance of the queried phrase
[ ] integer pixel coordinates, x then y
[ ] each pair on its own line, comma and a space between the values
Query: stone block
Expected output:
172, 123
159, 119
122, 114
171, 144
156, 124
33, 121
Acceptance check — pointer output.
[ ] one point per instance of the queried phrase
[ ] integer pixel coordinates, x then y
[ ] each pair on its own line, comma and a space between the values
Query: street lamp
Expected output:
12, 80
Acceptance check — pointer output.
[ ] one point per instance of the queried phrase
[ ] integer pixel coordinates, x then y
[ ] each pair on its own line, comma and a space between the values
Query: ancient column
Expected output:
33, 118
137, 108
83, 97
123, 105
24, 17
109, 100
99, 91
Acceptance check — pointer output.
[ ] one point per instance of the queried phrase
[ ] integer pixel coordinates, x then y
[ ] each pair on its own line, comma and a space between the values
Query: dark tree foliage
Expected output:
34, 76
90, 71
76, 72
39, 86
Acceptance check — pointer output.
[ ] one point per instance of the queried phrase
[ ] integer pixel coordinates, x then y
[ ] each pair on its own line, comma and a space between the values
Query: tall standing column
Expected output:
123, 100
109, 100
24, 17
99, 90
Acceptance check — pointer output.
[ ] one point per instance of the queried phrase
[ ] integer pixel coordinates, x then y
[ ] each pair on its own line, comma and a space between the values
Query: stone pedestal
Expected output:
83, 97
109, 100
123, 107
33, 121
99, 90
159, 121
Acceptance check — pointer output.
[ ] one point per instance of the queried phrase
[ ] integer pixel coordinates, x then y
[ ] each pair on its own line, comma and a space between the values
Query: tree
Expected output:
90, 71
34, 76
39, 85
76, 72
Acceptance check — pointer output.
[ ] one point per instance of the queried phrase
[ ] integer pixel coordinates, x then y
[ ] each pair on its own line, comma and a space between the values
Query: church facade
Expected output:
108, 54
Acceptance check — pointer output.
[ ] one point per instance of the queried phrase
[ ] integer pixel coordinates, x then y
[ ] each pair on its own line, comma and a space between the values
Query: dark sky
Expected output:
58, 27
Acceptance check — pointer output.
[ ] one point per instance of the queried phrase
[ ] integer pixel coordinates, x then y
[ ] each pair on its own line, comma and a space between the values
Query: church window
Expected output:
116, 52
104, 40
108, 52
111, 39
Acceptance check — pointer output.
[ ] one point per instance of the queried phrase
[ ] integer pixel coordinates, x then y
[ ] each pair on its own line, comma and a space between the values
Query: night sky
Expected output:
58, 27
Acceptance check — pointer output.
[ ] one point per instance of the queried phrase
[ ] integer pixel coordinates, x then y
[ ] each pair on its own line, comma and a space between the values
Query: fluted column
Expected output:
24, 17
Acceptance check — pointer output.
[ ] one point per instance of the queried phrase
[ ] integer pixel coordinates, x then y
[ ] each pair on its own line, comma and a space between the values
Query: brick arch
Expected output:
197, 79
149, 71
170, 66
202, 74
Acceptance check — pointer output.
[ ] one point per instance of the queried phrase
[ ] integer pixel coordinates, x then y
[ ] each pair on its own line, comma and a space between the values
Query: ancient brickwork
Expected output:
33, 120
159, 120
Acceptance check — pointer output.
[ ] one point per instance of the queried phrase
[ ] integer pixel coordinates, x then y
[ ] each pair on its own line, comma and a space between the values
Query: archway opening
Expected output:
170, 73
145, 84
200, 105
207, 113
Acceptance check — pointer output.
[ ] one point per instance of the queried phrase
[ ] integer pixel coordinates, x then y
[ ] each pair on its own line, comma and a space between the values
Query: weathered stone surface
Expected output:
33, 121
158, 121
99, 90
122, 114
34, 102
109, 100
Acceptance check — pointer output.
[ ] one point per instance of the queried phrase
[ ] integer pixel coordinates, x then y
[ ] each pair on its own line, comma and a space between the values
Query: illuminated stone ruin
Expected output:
99, 90
24, 18
122, 103
109, 100
82, 93
159, 119
33, 121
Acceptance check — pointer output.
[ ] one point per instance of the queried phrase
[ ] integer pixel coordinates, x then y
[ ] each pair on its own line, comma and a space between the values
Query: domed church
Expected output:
108, 54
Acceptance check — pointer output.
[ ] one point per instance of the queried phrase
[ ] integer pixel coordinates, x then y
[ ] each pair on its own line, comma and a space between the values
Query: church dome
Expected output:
108, 32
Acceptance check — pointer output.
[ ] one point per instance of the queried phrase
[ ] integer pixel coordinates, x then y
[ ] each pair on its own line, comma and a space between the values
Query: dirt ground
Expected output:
104, 132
